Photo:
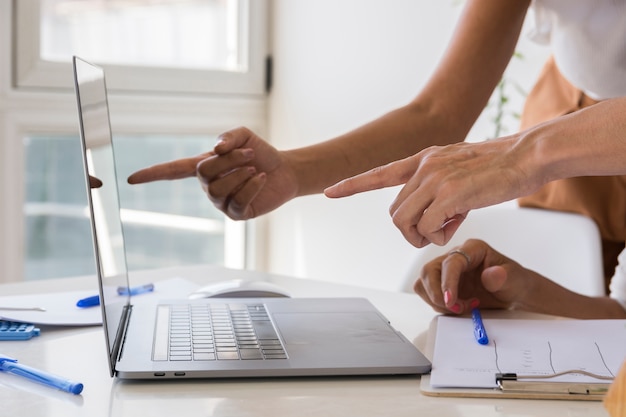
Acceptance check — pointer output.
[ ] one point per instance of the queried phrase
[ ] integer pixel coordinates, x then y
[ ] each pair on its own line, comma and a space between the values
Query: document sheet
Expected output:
59, 308
526, 347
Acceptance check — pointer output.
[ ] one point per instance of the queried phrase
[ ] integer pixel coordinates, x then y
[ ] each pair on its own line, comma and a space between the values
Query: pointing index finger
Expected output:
173, 170
374, 179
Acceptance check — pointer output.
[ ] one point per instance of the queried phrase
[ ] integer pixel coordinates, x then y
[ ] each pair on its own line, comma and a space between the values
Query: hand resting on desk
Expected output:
475, 275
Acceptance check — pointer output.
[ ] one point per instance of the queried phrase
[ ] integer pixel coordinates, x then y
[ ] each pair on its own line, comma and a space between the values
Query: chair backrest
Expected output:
563, 247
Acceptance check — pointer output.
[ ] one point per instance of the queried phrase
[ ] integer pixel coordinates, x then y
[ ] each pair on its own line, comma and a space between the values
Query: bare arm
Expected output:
442, 113
589, 142
444, 183
547, 297
246, 177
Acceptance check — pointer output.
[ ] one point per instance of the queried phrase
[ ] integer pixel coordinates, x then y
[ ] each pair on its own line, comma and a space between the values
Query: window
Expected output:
166, 102
56, 219
197, 34
165, 223
188, 46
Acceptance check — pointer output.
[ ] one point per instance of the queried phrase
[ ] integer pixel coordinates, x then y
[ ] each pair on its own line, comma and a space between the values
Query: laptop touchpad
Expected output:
333, 328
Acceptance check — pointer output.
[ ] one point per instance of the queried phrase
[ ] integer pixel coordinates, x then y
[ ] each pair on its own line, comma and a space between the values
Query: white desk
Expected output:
79, 354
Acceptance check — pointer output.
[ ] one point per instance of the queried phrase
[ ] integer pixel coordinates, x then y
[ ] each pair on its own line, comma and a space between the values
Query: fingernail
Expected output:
446, 297
456, 308
248, 153
447, 222
474, 303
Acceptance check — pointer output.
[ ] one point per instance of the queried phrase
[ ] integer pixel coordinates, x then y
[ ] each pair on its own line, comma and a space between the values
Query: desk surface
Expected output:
79, 353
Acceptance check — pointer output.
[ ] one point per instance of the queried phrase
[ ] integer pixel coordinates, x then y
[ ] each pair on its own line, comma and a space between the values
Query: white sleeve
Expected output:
618, 282
541, 24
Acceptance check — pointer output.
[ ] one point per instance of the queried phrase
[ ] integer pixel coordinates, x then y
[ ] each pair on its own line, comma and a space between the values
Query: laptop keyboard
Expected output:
208, 332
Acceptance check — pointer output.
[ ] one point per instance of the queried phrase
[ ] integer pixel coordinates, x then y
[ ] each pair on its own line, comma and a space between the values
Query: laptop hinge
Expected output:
120, 337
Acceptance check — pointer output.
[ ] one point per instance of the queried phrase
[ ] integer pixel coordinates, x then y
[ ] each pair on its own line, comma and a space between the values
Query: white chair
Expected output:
561, 246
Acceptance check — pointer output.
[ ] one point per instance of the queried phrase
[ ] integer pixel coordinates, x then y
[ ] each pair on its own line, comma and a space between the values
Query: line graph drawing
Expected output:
527, 365
533, 348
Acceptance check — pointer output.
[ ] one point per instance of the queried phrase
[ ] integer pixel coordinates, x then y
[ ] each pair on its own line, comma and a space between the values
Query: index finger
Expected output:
390, 175
456, 262
173, 170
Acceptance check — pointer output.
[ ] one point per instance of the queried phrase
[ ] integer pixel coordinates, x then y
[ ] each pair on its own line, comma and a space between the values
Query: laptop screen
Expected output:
104, 207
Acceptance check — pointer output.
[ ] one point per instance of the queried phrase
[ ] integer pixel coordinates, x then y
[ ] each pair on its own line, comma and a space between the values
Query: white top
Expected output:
618, 282
588, 40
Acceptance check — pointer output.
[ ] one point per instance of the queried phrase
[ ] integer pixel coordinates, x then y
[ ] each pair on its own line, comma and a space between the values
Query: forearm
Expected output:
396, 135
442, 113
547, 297
589, 142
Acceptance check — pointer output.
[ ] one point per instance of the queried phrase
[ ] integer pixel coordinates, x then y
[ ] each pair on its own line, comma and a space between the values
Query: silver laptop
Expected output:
218, 337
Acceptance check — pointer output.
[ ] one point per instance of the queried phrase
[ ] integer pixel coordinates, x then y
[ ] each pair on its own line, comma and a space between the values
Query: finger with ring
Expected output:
460, 252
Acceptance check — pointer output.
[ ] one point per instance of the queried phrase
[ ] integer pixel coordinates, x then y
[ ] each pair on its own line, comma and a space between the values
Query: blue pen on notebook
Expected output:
94, 300
479, 328
11, 366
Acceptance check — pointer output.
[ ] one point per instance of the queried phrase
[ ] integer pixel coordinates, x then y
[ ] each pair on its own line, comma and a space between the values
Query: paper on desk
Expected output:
525, 347
61, 307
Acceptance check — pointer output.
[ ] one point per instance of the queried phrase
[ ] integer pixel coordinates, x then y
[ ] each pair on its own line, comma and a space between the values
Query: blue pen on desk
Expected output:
94, 300
11, 366
479, 328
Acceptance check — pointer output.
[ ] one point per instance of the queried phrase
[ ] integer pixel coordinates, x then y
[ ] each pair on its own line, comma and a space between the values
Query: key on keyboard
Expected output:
215, 332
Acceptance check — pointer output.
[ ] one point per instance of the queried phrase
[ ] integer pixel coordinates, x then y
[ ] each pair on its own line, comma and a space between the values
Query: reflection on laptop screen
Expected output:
95, 132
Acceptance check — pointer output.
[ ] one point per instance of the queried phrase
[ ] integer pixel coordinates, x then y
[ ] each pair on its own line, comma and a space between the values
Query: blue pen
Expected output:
479, 328
94, 300
11, 366
135, 290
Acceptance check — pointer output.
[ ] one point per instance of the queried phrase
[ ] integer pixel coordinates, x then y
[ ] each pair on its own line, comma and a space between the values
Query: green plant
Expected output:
501, 100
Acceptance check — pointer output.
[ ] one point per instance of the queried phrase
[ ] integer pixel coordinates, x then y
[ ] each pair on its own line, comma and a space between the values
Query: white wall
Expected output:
338, 64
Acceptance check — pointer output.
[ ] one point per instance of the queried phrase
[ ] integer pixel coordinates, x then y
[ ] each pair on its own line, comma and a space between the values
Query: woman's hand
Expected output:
442, 184
244, 176
471, 275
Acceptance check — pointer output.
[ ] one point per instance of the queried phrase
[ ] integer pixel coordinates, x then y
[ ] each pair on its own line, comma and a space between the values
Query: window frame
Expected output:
32, 72
32, 110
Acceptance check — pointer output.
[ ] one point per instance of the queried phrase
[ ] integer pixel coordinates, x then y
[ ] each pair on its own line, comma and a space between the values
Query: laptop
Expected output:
218, 337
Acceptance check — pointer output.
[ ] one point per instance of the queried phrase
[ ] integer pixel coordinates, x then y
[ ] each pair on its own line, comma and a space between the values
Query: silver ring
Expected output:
460, 252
